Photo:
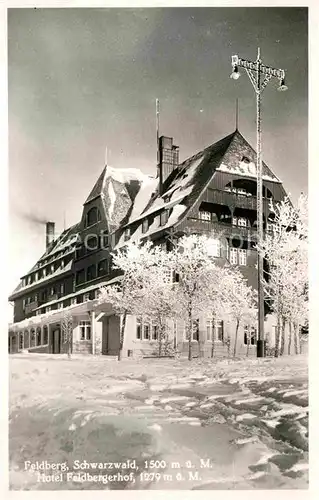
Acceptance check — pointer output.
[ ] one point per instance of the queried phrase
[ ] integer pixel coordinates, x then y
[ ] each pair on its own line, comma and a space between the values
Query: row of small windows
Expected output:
45, 295
148, 330
93, 271
212, 217
43, 273
79, 299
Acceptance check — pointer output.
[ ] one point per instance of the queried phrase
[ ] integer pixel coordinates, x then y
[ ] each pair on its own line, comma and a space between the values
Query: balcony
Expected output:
221, 197
220, 229
29, 308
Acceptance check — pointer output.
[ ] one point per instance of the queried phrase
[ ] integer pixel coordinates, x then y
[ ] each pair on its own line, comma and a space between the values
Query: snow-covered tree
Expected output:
67, 331
199, 279
286, 286
126, 297
240, 302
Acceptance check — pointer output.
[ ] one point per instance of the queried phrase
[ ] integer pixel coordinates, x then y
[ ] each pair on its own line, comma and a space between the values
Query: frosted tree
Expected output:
67, 331
144, 287
198, 279
240, 302
286, 251
159, 297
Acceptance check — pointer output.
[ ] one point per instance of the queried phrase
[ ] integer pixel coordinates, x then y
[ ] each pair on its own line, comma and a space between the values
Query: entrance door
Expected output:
111, 335
56, 341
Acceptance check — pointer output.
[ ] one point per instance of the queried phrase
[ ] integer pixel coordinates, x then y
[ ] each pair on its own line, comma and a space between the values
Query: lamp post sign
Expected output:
259, 75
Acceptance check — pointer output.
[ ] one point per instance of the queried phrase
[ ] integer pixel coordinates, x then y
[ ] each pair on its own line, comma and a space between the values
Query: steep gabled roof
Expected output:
189, 180
120, 189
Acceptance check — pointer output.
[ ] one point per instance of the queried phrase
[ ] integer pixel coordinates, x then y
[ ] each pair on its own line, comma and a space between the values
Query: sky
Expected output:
81, 80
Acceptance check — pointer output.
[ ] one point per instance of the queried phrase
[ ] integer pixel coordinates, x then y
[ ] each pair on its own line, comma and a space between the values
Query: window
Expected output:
145, 225
245, 159
146, 330
91, 272
154, 332
163, 218
250, 335
85, 330
127, 234
21, 341
32, 337
214, 329
195, 332
219, 326
45, 335
38, 336
238, 256
203, 215
168, 275
209, 329
103, 267
93, 216
233, 256
242, 222
26, 339
242, 256
91, 243
214, 248
139, 329
104, 239
80, 277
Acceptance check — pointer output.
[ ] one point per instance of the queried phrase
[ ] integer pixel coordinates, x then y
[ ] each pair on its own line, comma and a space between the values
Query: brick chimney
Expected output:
168, 159
50, 229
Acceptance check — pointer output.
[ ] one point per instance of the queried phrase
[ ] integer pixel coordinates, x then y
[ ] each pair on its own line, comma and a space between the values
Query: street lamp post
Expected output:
259, 75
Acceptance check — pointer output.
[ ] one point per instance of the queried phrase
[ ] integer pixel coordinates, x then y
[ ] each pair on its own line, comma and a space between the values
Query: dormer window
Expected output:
245, 160
203, 215
145, 225
93, 216
127, 234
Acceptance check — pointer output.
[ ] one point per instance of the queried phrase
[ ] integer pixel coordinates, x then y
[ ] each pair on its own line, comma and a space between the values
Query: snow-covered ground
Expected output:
248, 417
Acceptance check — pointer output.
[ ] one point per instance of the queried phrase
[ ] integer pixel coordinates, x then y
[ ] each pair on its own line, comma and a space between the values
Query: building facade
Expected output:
212, 192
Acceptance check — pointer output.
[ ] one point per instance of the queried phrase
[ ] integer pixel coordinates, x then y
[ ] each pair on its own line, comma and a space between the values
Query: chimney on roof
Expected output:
168, 159
50, 229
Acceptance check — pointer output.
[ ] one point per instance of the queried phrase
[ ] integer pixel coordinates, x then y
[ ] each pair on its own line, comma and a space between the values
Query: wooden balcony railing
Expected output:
221, 197
220, 229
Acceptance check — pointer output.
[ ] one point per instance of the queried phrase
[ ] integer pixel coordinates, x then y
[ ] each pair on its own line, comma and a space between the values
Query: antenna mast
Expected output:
237, 114
157, 130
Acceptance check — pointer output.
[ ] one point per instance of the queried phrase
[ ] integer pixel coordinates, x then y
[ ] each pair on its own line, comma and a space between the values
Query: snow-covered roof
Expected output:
246, 169
232, 154
124, 191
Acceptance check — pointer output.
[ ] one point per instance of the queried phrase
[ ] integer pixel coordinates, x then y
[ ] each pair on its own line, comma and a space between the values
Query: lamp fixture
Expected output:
235, 74
282, 87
